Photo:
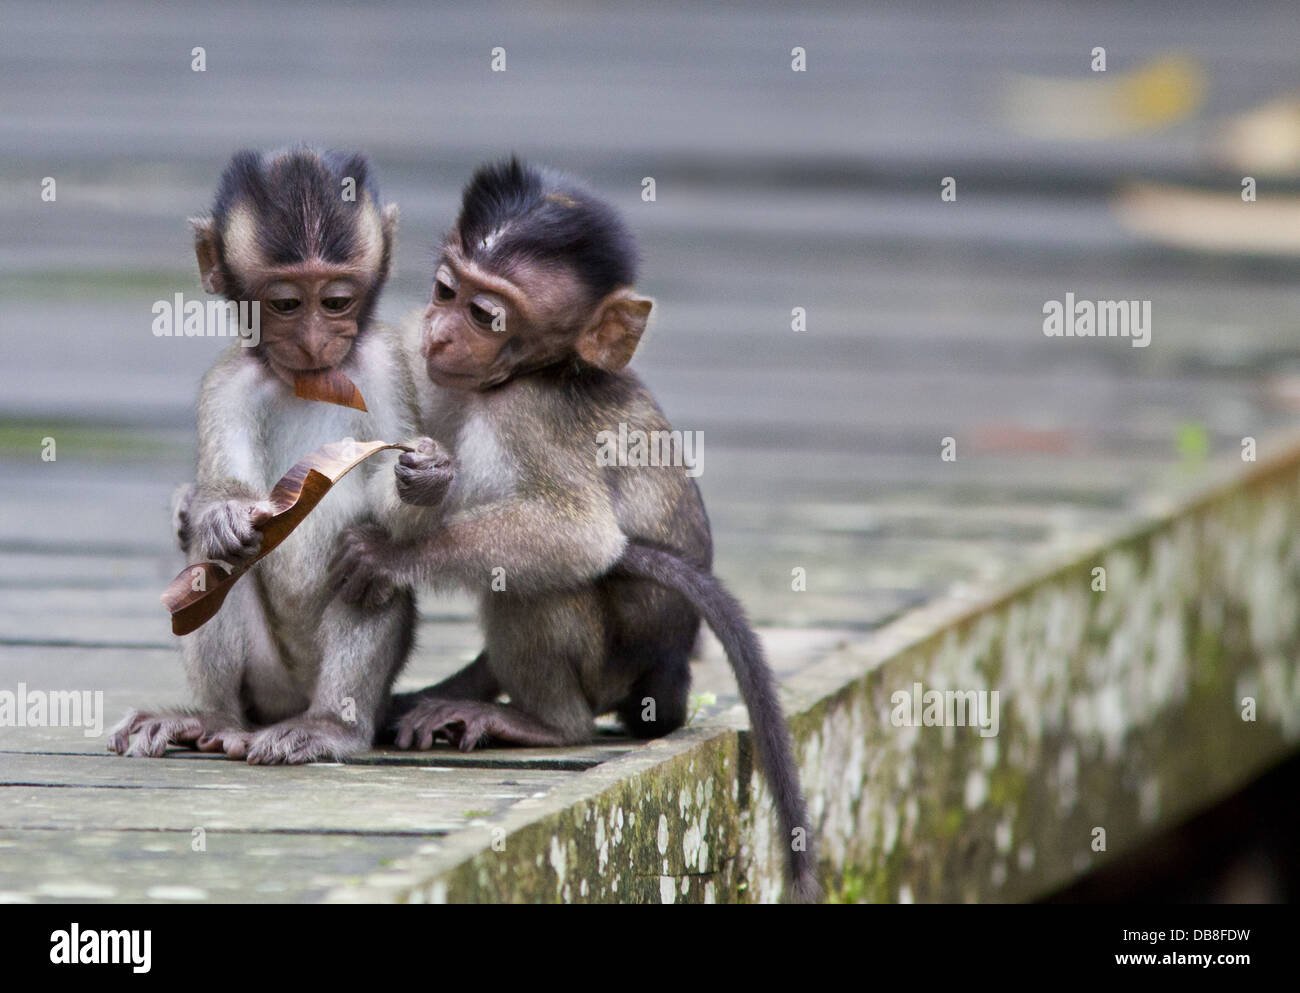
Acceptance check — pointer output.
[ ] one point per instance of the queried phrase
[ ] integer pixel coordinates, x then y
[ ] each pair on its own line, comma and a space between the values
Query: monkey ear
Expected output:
612, 336
205, 250
388, 220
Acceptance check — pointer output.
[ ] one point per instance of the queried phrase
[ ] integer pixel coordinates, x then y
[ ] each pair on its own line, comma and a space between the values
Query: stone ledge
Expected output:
1120, 711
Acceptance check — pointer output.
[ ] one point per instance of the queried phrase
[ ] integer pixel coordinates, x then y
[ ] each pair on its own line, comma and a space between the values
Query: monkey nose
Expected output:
314, 358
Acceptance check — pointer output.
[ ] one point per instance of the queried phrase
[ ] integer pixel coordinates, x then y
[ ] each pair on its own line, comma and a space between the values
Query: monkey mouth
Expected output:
445, 377
292, 369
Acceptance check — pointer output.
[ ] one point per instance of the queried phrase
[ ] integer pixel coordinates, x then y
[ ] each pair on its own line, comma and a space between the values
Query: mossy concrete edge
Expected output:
1121, 711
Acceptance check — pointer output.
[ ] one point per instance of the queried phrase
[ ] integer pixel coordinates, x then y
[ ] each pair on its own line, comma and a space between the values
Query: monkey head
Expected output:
302, 233
536, 273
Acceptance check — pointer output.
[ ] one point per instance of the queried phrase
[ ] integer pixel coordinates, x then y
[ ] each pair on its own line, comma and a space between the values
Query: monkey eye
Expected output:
336, 305
442, 291
284, 306
481, 315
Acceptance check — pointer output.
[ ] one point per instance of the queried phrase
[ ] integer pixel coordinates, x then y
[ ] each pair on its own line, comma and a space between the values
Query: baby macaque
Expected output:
592, 578
285, 672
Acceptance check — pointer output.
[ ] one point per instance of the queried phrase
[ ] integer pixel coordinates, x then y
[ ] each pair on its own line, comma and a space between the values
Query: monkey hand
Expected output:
365, 567
227, 530
424, 475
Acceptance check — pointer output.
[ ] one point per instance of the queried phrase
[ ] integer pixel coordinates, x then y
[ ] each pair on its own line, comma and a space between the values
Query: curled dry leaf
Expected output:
196, 594
328, 386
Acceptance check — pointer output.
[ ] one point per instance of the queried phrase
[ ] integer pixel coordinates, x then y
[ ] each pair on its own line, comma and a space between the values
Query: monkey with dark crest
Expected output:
592, 579
285, 672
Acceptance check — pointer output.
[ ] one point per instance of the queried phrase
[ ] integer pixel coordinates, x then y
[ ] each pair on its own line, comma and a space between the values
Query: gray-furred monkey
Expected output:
285, 672
606, 570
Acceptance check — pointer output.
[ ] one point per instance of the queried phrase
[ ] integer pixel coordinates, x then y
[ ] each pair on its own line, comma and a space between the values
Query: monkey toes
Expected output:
464, 723
305, 739
154, 733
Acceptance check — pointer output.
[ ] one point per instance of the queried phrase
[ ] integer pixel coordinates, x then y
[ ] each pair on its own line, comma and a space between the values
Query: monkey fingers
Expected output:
424, 475
358, 573
232, 741
380, 591
228, 531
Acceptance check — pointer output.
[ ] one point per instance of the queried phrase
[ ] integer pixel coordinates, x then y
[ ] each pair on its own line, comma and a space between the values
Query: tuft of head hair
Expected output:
512, 212
296, 195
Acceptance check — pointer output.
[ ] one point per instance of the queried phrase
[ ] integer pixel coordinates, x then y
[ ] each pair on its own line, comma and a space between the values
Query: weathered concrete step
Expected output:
407, 809
146, 865
187, 791
138, 678
182, 770
112, 616
134, 618
56, 568
927, 79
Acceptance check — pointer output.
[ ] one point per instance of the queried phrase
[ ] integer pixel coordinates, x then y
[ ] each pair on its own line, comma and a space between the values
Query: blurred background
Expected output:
774, 189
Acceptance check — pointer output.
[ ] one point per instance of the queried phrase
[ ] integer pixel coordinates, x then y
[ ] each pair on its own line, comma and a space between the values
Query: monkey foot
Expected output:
468, 724
154, 733
305, 739
432, 718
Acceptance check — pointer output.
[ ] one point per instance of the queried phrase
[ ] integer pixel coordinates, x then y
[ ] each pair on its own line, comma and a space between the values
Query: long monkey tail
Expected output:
724, 614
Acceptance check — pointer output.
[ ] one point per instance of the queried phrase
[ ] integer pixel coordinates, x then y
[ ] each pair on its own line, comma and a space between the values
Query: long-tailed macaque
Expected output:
286, 672
593, 578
